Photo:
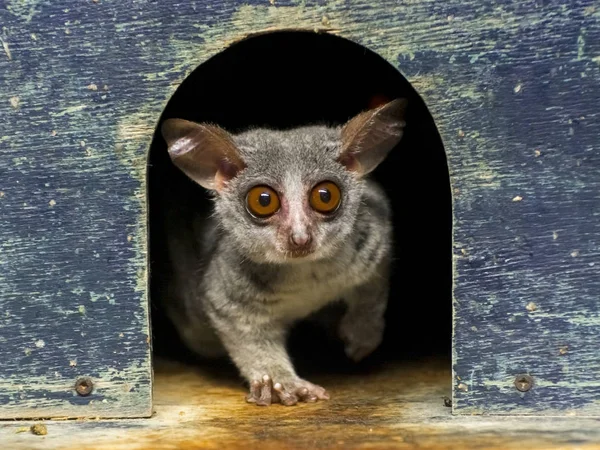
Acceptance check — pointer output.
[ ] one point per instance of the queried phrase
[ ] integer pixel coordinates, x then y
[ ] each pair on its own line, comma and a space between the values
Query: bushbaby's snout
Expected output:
300, 239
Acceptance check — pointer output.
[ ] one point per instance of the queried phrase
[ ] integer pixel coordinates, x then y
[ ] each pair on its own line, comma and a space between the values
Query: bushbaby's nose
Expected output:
300, 238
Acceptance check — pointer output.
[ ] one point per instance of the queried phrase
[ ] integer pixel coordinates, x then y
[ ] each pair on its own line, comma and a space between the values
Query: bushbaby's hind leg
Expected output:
200, 337
363, 325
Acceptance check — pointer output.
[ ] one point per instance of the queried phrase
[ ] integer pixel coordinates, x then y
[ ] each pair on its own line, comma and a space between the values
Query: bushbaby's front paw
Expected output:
361, 338
265, 391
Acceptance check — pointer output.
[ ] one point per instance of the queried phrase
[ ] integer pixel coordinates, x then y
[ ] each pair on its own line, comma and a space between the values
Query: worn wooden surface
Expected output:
396, 406
73, 295
513, 88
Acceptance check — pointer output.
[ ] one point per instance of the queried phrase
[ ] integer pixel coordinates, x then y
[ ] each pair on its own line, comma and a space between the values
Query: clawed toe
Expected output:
284, 396
261, 391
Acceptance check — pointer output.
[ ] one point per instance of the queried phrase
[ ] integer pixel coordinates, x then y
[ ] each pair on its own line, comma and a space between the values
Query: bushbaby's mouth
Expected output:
298, 253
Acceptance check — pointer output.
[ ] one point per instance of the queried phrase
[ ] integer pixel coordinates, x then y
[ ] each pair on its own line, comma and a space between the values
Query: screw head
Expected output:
84, 386
523, 382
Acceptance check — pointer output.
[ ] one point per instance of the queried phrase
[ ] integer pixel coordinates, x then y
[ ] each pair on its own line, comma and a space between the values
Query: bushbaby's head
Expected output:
286, 196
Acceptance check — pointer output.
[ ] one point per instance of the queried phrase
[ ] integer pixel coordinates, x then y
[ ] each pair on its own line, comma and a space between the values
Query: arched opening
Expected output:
287, 79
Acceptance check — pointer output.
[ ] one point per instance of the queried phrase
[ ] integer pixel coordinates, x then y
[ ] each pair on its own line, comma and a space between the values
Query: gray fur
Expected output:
234, 289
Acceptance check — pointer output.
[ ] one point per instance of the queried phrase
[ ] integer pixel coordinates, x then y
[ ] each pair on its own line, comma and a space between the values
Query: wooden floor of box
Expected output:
397, 406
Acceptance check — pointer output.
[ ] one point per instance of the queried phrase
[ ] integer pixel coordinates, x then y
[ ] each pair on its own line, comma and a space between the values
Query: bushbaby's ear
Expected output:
368, 137
205, 153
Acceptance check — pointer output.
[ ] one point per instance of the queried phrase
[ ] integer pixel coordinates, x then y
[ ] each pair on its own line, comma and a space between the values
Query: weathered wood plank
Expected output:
513, 87
395, 407
72, 228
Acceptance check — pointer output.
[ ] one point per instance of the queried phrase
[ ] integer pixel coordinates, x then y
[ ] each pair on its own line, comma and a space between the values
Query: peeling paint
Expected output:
24, 9
70, 110
453, 53
6, 48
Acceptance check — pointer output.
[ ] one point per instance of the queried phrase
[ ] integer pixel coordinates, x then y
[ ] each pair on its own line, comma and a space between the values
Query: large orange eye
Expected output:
325, 197
262, 201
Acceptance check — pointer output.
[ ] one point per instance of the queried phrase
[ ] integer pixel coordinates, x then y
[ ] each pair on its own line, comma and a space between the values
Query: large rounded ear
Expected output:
368, 137
205, 153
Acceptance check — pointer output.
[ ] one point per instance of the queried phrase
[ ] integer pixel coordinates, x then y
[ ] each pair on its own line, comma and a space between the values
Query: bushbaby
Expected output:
296, 224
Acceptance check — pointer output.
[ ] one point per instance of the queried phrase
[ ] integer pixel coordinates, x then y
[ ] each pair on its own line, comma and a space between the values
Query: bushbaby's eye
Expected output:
325, 197
262, 201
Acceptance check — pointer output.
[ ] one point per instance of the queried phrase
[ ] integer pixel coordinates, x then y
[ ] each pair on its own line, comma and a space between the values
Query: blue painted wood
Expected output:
73, 274
513, 88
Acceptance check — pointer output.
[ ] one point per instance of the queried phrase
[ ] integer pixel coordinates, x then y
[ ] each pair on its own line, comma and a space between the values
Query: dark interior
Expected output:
286, 79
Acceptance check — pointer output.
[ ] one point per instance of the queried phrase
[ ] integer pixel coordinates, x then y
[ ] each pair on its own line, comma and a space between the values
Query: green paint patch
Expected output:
69, 110
24, 9
581, 45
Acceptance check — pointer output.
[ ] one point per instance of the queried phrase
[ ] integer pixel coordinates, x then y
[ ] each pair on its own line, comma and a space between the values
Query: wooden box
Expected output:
513, 88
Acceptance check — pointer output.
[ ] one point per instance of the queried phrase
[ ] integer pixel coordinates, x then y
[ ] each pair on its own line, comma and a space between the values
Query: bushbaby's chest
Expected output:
303, 290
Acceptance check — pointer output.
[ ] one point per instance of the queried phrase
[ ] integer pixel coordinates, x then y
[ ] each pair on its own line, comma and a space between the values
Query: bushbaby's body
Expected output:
296, 225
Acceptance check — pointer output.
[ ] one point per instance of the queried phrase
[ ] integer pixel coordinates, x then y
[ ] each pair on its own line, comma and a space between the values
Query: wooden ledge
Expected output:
397, 406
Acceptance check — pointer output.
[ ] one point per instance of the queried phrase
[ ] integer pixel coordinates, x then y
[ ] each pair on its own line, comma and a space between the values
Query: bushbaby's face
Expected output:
293, 201
286, 196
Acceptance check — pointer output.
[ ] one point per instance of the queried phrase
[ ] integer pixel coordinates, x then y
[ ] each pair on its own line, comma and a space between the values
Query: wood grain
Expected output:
396, 406
73, 276
513, 88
